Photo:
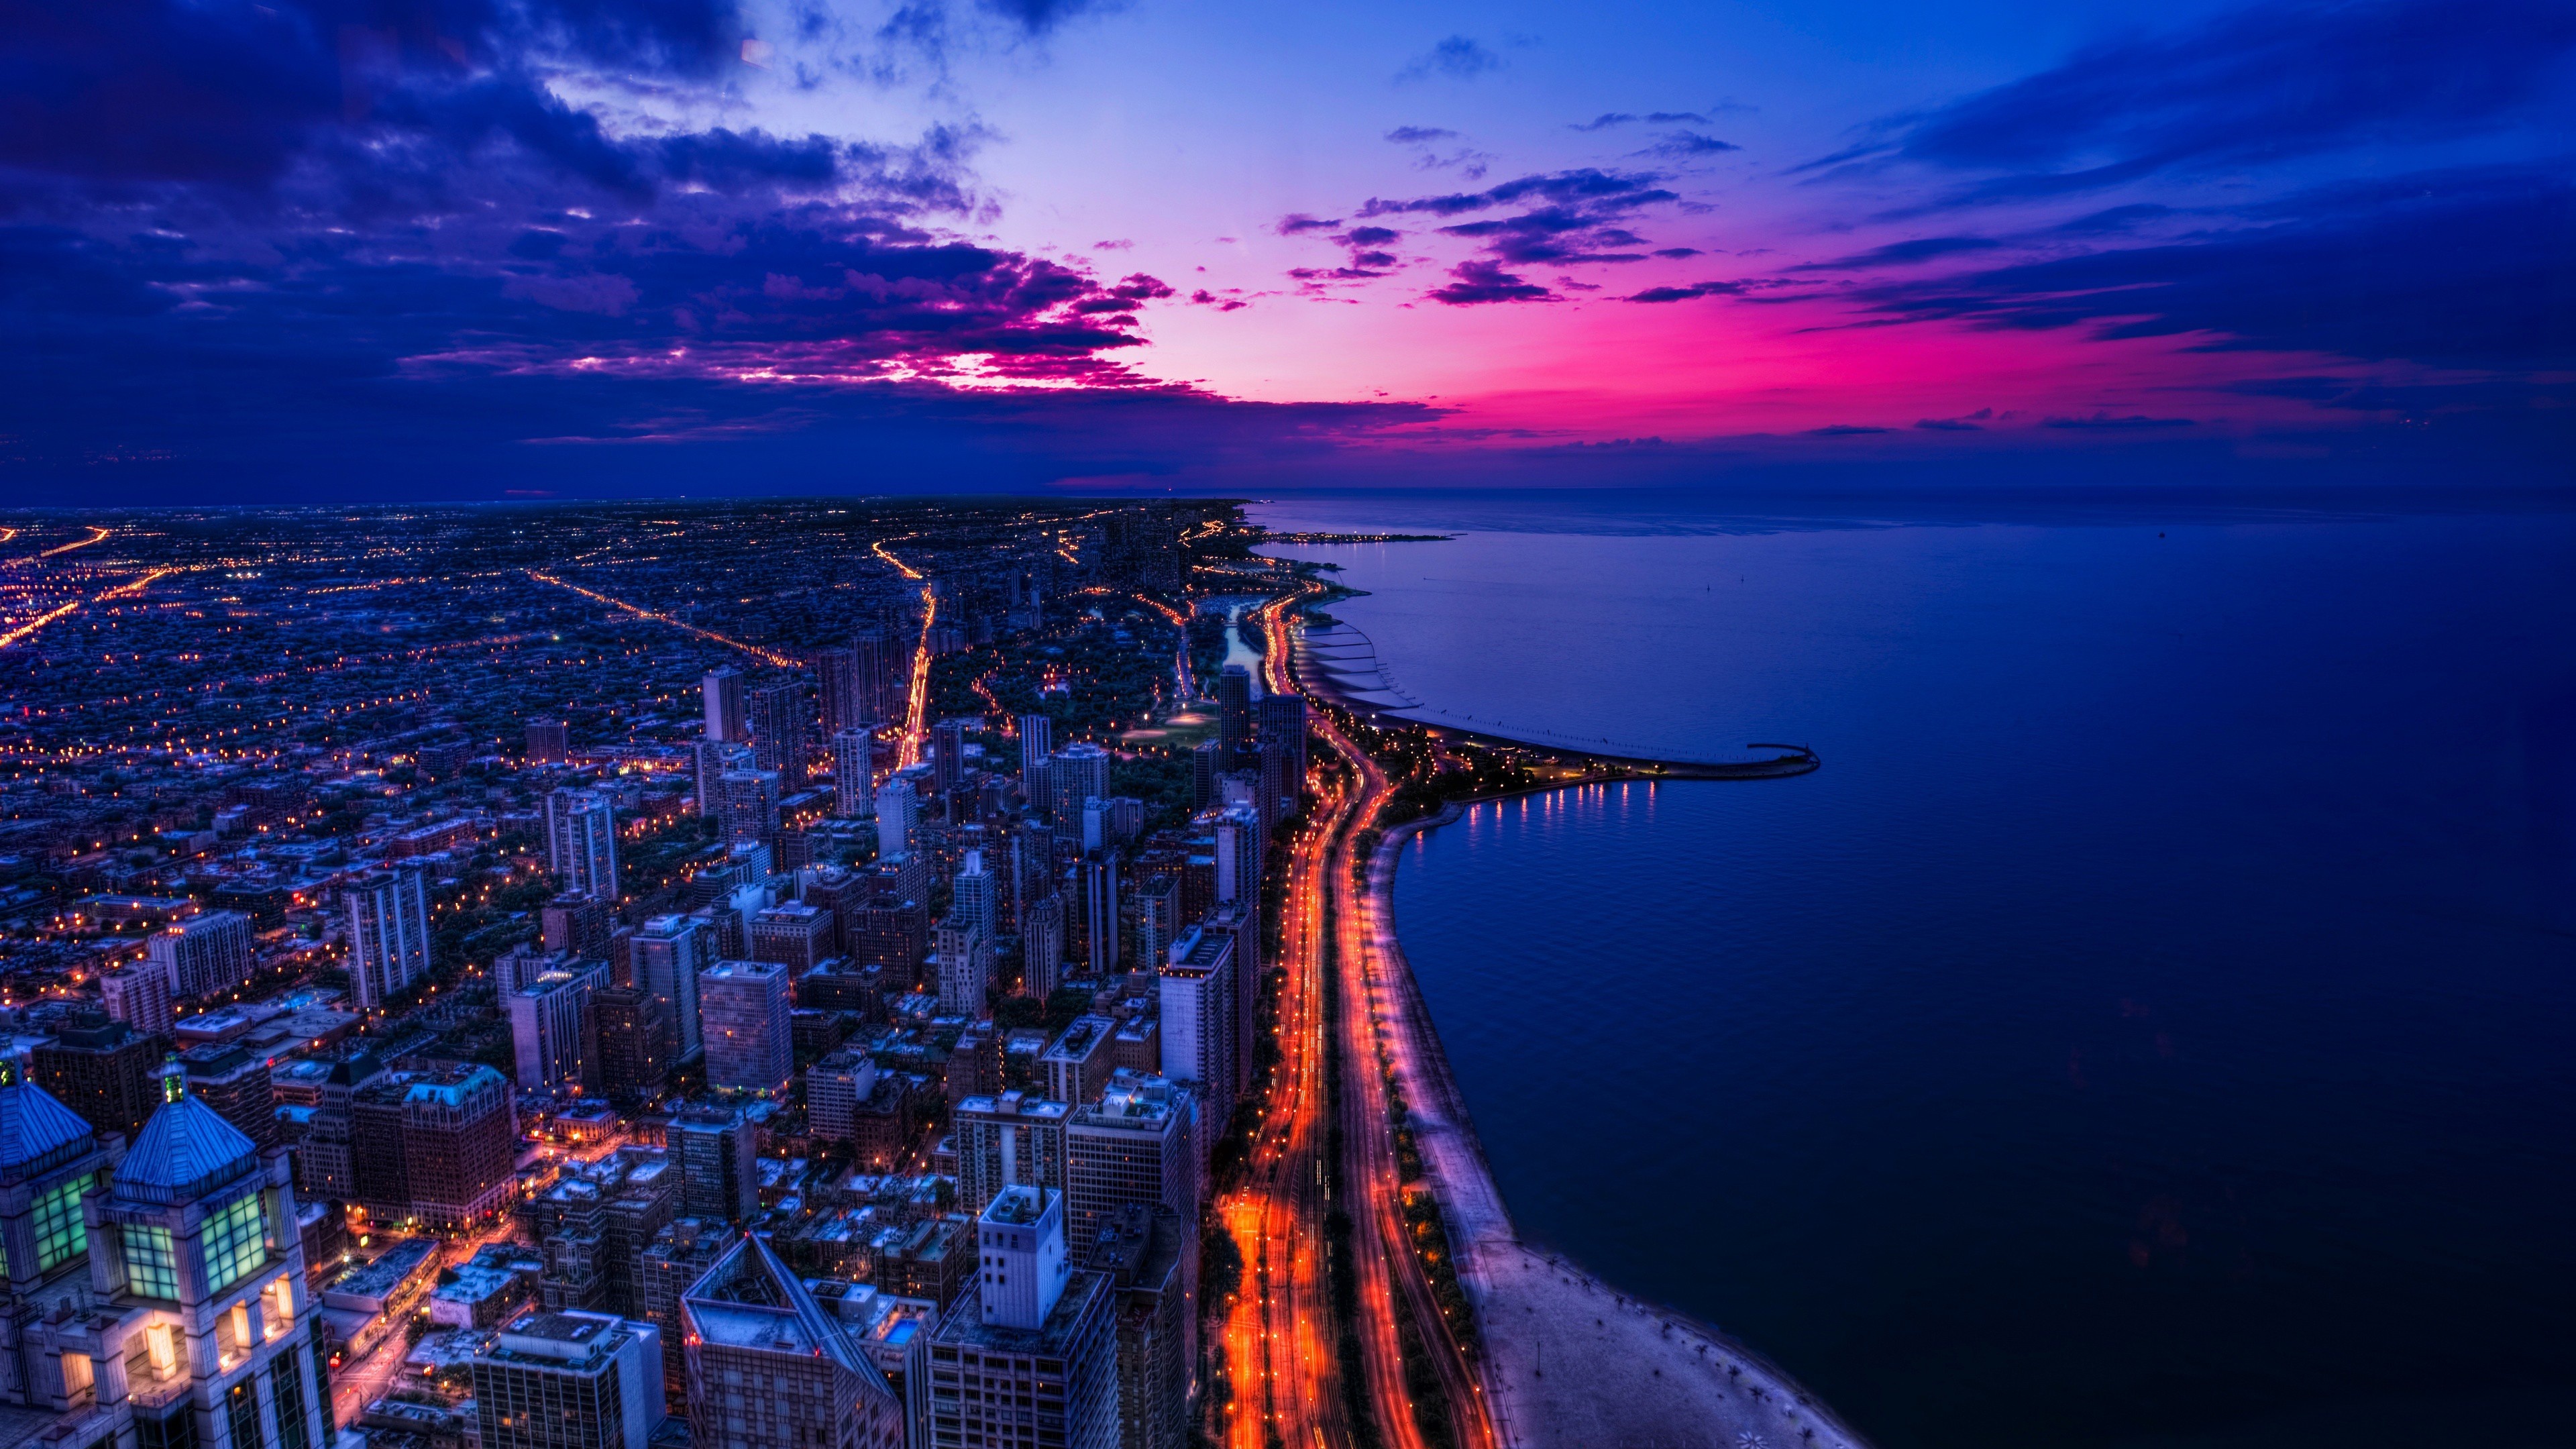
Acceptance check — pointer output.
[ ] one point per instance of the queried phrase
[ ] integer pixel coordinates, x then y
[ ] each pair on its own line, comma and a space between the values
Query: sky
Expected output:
402, 249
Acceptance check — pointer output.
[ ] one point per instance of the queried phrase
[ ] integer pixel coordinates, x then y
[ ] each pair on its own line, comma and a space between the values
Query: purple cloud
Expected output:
1475, 283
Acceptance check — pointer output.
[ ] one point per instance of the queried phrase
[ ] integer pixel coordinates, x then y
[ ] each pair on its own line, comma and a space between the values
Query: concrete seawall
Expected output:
1570, 1363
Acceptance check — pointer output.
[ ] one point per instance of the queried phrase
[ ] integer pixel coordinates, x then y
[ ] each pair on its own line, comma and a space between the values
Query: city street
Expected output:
1280, 1337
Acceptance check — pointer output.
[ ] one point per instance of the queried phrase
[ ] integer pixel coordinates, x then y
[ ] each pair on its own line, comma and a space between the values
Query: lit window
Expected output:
236, 1243
59, 1229
151, 1266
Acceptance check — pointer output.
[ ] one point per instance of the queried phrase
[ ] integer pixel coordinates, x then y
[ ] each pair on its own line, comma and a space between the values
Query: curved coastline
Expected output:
1567, 1360
1314, 672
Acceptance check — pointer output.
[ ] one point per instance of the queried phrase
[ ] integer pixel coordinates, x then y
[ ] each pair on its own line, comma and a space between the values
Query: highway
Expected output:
766, 656
1278, 1344
1280, 1334
916, 695
121, 591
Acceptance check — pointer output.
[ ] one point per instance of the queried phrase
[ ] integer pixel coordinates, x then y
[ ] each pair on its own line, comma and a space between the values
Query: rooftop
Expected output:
185, 1151
555, 1338
1080, 1038
749, 1300
1020, 1205
379, 1278
1018, 1104
35, 1130
1051, 1338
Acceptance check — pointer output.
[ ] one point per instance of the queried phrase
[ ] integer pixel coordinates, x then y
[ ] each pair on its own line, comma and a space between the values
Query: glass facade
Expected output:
175, 1428
241, 1407
553, 1408
59, 1229
236, 1243
286, 1393
321, 1379
151, 1264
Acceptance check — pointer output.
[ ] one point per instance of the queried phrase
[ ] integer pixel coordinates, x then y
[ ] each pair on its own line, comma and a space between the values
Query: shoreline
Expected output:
1636, 1373
1602, 756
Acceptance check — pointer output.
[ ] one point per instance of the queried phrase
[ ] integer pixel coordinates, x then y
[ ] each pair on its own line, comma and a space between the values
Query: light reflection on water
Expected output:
2154, 1015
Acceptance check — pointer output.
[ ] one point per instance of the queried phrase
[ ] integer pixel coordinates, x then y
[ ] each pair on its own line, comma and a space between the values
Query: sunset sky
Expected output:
477, 249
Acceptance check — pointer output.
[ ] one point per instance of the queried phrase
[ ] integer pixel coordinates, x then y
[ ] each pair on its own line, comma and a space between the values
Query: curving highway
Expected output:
1280, 1333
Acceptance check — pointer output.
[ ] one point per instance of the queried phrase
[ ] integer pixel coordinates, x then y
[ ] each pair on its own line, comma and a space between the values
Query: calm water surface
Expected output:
2152, 1026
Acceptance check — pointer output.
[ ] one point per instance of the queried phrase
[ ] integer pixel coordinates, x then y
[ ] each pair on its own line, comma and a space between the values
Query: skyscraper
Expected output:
1132, 1146
975, 895
569, 1380
834, 1088
889, 931
578, 924
1042, 946
554, 1033
1037, 740
138, 994
1034, 868
677, 1256
548, 741
769, 1369
1143, 1252
842, 694
947, 755
1080, 771
880, 663
1038, 1335
389, 934
581, 841
1277, 784
204, 954
779, 731
1283, 723
102, 1069
1198, 1005
718, 1151
235, 1084
1095, 880
727, 723
898, 814
747, 805
1158, 918
1240, 923
668, 954
434, 1145
1234, 715
854, 772
795, 935
709, 760
1238, 854
197, 1279
49, 1161
634, 1051
1077, 1063
1015, 1137
1207, 763
743, 1006
964, 962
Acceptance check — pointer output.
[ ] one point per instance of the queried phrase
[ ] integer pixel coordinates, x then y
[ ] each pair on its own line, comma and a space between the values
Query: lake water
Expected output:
2154, 1025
